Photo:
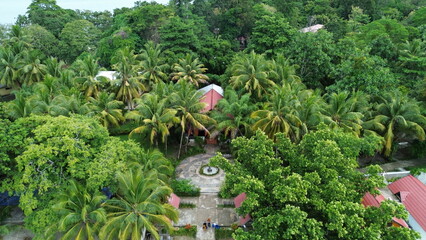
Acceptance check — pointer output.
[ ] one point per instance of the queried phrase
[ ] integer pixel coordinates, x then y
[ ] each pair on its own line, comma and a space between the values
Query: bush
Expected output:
188, 230
224, 233
126, 128
184, 188
187, 205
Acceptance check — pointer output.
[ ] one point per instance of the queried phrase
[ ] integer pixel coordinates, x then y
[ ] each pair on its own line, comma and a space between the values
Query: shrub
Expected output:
188, 230
184, 188
224, 233
187, 205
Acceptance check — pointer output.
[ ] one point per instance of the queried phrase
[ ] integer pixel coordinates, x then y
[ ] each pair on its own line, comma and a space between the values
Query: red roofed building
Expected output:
412, 193
174, 200
375, 201
211, 95
238, 201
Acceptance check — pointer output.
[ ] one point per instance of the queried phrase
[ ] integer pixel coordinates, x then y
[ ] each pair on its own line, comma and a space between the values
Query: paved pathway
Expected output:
398, 164
207, 203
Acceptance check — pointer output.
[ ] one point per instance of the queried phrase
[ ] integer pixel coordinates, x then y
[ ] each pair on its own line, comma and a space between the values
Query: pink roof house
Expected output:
238, 201
211, 95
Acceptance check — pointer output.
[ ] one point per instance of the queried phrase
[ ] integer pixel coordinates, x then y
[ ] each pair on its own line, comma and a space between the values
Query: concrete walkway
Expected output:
207, 203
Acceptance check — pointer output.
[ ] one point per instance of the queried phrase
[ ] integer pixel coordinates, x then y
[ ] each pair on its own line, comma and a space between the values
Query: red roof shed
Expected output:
238, 200
174, 200
211, 95
412, 193
370, 200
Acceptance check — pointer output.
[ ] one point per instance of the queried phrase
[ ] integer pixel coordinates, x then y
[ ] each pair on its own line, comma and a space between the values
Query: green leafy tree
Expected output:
106, 109
80, 212
139, 207
190, 70
88, 70
79, 36
43, 40
177, 36
251, 73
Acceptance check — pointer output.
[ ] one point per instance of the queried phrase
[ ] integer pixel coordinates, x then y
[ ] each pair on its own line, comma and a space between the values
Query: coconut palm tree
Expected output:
9, 65
88, 69
190, 70
283, 71
54, 67
106, 109
45, 103
32, 70
20, 107
342, 111
138, 208
252, 73
233, 114
80, 211
396, 117
154, 159
152, 63
280, 115
128, 79
154, 118
189, 109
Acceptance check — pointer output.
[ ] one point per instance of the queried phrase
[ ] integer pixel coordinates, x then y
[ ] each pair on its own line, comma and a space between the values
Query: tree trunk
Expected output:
143, 234
181, 140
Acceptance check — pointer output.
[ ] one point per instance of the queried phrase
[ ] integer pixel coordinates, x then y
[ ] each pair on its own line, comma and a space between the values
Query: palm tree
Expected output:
54, 67
189, 69
342, 112
233, 114
106, 109
280, 115
187, 102
152, 64
154, 118
395, 117
20, 107
81, 214
154, 159
251, 72
33, 70
138, 208
88, 68
283, 71
9, 65
309, 109
128, 80
45, 103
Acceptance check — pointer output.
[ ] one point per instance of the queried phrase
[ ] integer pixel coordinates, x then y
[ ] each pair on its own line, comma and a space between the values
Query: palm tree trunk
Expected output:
143, 233
181, 140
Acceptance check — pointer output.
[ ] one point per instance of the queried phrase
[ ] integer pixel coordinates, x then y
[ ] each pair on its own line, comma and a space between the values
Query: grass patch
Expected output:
223, 233
188, 230
184, 188
187, 205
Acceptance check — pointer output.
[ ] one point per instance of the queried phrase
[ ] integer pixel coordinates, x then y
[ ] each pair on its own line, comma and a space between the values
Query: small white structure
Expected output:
111, 75
313, 29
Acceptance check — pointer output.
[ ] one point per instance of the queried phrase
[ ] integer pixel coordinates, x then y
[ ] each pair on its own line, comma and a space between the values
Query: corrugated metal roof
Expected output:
238, 200
413, 195
370, 200
111, 75
208, 88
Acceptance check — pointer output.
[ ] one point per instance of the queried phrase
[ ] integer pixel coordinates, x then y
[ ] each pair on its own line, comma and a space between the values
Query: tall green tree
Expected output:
251, 73
106, 109
128, 80
32, 70
88, 70
152, 64
186, 100
396, 116
139, 207
190, 70
154, 117
80, 211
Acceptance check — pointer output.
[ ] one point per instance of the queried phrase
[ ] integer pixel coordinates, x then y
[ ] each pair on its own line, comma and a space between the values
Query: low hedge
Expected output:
184, 188
223, 233
188, 231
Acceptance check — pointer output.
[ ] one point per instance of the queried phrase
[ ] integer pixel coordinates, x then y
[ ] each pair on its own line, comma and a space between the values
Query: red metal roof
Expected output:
211, 95
245, 219
238, 200
174, 200
413, 196
370, 200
